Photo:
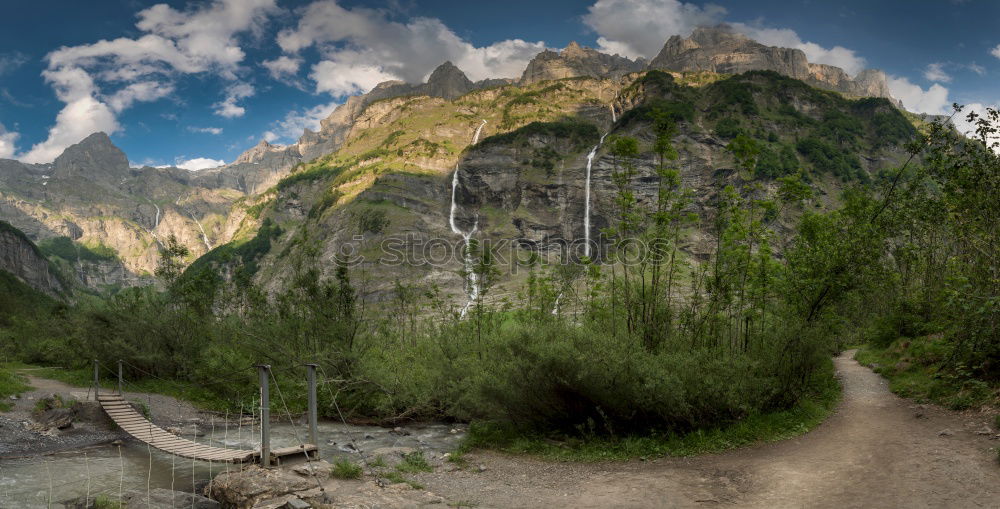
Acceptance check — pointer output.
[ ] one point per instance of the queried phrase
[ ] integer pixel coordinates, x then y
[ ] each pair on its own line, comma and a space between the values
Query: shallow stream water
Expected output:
41, 481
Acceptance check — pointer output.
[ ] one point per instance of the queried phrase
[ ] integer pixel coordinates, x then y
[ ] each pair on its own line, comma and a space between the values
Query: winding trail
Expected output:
877, 450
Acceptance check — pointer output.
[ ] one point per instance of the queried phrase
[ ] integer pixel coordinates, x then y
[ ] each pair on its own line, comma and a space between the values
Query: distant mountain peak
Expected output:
723, 50
92, 156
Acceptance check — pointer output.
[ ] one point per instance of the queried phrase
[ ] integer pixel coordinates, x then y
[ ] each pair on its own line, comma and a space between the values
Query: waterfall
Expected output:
475, 139
157, 223
586, 205
204, 237
473, 280
614, 116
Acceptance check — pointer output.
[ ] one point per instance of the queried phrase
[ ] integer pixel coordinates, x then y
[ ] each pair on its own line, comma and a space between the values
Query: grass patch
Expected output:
106, 502
917, 369
812, 409
396, 478
414, 462
11, 384
345, 469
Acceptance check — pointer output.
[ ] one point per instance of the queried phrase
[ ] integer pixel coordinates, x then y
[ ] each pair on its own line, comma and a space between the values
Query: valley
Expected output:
610, 281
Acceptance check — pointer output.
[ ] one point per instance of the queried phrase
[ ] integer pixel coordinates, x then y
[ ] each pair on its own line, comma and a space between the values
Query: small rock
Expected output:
919, 415
297, 503
14, 397
117, 443
985, 431
945, 433
400, 431
369, 437
453, 431
481, 468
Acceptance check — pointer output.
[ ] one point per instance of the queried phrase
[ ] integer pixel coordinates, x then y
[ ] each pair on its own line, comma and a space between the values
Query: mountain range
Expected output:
388, 154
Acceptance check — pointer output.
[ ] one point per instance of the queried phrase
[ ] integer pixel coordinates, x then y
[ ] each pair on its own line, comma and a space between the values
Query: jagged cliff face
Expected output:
91, 195
721, 50
575, 61
20, 257
411, 135
523, 185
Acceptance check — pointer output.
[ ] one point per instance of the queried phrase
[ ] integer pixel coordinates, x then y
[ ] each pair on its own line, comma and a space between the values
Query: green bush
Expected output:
65, 248
345, 469
370, 219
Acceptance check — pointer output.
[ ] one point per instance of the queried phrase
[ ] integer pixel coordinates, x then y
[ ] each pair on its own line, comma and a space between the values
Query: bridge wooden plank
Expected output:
136, 425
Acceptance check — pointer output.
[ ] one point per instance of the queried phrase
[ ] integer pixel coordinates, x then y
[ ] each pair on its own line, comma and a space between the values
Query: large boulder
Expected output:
159, 498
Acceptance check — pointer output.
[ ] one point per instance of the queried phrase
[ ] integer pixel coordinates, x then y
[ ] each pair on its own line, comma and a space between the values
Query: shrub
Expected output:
370, 219
345, 469
414, 462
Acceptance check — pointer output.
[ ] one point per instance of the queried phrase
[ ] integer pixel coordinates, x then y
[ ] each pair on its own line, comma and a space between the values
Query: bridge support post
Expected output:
265, 416
97, 384
313, 431
120, 392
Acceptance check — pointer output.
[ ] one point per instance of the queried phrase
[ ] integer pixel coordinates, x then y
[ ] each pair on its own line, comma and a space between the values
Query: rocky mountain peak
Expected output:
723, 50
448, 81
94, 155
256, 153
573, 49
575, 61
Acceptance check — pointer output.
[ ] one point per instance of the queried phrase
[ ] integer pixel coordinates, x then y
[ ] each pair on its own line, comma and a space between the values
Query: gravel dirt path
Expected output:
877, 450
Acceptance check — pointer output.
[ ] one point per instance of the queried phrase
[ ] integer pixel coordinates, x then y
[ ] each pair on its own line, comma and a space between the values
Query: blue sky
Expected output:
197, 82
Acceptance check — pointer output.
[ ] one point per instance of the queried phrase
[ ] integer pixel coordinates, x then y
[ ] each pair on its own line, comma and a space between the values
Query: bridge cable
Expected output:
333, 399
49, 473
149, 450
295, 431
121, 483
86, 498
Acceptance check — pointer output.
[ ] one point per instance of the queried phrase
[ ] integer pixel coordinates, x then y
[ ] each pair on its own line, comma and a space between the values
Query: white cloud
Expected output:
362, 47
976, 68
228, 107
996, 51
936, 72
638, 28
933, 101
296, 121
282, 67
837, 56
99, 80
347, 75
200, 163
207, 130
8, 140
143, 91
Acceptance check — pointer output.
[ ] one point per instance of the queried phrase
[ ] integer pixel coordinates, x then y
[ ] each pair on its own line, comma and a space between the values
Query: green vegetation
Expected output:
414, 462
696, 354
107, 502
11, 384
396, 478
65, 248
345, 469
370, 219
815, 405
578, 134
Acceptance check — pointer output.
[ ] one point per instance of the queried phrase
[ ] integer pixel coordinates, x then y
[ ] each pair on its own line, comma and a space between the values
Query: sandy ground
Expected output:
877, 450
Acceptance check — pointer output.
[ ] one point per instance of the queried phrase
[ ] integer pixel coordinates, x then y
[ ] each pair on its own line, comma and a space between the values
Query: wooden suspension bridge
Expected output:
142, 428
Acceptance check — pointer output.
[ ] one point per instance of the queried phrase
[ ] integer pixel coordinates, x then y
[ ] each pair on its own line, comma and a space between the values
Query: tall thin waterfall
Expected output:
586, 205
475, 139
473, 280
204, 237
614, 115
